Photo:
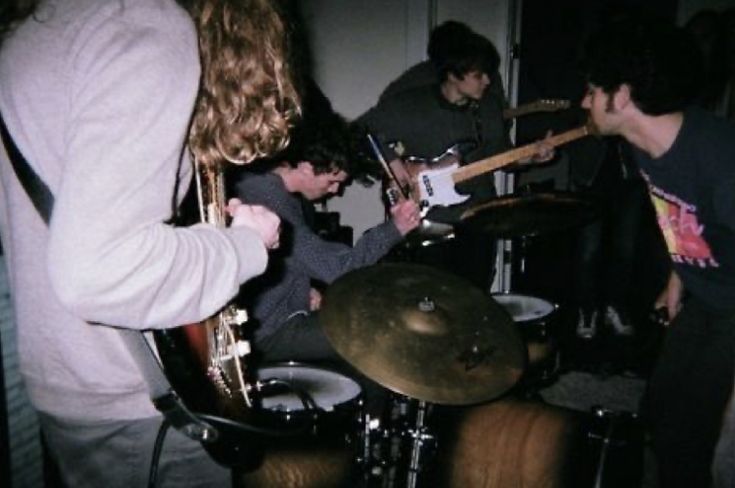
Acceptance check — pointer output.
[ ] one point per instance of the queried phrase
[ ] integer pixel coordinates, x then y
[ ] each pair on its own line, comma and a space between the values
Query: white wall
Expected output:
359, 46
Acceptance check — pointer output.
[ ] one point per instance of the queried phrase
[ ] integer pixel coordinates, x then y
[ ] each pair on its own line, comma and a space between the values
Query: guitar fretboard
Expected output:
498, 161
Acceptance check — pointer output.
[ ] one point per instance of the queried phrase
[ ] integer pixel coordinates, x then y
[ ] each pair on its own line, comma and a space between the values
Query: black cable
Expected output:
306, 400
155, 458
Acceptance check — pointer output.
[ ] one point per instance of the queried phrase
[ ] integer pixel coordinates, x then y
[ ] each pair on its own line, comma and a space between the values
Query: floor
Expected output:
608, 372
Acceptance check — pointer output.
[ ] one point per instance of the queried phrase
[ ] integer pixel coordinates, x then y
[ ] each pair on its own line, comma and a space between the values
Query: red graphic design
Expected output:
682, 231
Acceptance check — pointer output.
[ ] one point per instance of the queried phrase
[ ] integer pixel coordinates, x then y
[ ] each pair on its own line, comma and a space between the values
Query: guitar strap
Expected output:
162, 395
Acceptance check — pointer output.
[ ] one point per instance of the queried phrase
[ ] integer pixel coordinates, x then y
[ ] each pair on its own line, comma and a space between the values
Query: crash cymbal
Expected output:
424, 333
528, 215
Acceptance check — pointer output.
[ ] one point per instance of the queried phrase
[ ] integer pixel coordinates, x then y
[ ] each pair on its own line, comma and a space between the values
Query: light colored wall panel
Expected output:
359, 46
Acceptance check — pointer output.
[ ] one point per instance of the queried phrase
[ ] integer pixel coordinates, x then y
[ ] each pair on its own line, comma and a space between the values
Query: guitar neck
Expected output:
511, 113
498, 161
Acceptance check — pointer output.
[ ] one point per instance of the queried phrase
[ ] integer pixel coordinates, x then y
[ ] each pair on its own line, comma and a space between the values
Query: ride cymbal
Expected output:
423, 333
528, 215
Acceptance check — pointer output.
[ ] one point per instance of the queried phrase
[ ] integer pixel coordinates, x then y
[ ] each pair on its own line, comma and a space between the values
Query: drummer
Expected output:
453, 106
283, 300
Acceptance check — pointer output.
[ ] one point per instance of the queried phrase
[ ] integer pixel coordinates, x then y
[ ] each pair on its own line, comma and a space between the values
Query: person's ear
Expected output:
622, 97
305, 168
453, 78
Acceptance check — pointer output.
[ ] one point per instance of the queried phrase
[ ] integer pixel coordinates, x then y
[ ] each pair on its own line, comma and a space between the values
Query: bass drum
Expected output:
526, 444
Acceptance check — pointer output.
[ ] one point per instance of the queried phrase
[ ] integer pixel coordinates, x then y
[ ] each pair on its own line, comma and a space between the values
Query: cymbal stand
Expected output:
421, 439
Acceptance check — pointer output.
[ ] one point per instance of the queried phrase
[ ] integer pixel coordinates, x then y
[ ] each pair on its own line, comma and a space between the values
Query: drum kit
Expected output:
429, 337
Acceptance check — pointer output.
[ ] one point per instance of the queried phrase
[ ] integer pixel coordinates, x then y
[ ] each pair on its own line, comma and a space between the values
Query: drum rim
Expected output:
527, 317
297, 365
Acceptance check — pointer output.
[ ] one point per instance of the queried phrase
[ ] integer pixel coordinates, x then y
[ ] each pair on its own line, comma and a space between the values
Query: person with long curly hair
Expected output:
110, 101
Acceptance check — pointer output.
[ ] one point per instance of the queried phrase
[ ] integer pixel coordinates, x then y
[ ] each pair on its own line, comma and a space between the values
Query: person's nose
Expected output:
586, 102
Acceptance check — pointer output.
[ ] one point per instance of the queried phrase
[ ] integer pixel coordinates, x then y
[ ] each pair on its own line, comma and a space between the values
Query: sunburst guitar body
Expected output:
207, 362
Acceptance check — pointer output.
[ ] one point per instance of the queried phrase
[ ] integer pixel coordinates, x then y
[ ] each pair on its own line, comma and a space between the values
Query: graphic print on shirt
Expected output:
681, 229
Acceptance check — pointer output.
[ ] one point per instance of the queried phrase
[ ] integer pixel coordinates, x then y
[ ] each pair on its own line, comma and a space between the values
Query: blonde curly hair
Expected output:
247, 101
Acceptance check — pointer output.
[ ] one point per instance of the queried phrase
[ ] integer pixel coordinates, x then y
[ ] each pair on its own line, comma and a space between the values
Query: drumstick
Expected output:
379, 154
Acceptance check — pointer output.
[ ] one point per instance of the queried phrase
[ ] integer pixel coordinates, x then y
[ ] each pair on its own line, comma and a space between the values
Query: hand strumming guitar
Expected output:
260, 219
400, 177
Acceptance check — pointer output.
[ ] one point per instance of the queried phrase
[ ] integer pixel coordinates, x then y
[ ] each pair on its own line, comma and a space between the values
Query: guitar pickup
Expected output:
427, 185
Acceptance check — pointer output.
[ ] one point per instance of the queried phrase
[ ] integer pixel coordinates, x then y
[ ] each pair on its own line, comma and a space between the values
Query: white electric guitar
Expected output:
435, 186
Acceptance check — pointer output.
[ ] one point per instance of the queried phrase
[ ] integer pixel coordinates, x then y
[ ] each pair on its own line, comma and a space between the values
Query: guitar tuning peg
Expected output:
235, 316
391, 195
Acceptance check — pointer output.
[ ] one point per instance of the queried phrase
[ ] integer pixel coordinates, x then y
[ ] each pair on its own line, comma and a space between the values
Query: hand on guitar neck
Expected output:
545, 152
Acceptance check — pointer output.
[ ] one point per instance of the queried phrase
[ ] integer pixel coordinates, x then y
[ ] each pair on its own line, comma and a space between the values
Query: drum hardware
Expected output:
399, 444
613, 434
534, 317
441, 339
421, 437
429, 233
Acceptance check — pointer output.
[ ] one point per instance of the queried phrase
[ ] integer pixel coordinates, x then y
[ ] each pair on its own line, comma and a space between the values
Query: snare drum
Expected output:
324, 454
300, 395
534, 317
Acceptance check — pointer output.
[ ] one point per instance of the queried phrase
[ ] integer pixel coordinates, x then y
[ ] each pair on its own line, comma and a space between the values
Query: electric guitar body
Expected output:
206, 363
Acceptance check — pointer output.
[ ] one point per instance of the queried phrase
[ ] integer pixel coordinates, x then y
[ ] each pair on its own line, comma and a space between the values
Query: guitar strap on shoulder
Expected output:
162, 395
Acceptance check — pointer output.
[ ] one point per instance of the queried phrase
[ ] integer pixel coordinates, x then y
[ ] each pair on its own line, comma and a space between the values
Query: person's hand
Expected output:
266, 223
544, 150
403, 181
315, 299
406, 216
670, 298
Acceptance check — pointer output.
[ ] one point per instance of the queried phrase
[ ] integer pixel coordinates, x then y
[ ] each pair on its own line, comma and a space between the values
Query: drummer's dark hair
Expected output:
659, 61
323, 138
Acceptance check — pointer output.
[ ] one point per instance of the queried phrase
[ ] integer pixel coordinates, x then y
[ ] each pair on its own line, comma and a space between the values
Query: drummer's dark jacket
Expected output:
283, 290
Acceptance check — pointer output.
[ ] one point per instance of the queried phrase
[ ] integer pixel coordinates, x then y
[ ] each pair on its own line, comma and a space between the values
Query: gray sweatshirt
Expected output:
98, 95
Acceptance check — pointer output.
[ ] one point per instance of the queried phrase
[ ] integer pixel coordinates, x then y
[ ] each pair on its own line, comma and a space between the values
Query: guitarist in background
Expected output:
429, 118
99, 96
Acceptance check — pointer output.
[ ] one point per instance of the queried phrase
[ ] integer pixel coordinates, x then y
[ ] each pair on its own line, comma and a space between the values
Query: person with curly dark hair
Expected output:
642, 78
285, 300
110, 102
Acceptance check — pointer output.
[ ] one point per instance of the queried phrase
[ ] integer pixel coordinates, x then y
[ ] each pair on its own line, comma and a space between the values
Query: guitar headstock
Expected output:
551, 105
